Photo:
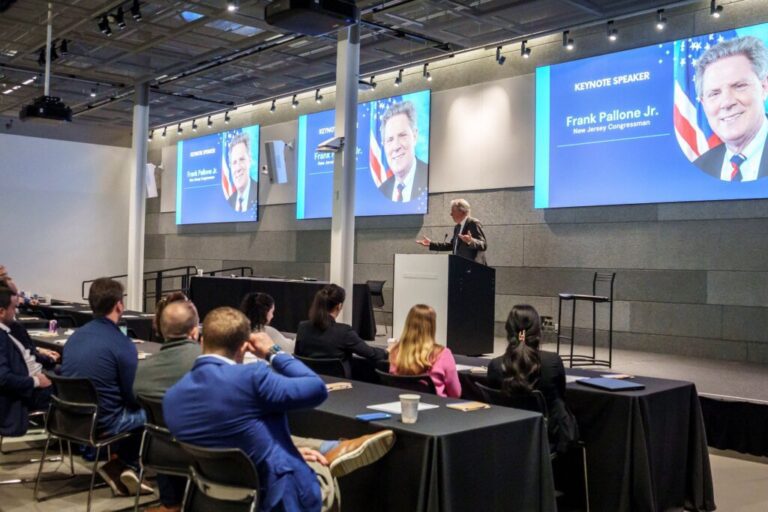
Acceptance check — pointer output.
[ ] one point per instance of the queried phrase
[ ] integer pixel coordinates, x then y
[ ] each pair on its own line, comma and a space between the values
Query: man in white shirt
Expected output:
732, 85
400, 133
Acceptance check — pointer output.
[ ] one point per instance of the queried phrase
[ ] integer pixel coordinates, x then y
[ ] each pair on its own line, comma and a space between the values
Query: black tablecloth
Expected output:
56, 342
139, 323
292, 299
646, 449
490, 460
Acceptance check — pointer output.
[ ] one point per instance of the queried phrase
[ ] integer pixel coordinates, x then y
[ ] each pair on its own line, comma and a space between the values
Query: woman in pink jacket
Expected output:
416, 353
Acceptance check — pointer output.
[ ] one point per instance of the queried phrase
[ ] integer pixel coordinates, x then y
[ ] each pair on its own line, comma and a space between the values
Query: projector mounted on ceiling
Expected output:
311, 17
49, 108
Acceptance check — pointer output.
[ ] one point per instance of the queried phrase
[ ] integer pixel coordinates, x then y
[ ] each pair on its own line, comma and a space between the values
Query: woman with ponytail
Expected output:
322, 337
524, 367
416, 353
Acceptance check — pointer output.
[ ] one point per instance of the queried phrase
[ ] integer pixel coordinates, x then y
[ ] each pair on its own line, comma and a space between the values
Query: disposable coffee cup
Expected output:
409, 405
200, 272
48, 299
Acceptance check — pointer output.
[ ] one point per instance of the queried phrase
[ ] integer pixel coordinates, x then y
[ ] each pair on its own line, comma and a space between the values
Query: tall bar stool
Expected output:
605, 281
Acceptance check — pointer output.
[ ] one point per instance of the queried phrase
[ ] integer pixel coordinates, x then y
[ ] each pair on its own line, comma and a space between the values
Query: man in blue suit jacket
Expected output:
221, 403
22, 385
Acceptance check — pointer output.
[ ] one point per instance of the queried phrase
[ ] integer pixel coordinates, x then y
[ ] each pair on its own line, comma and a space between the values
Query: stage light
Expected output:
179, 130
525, 52
372, 83
41, 57
165, 129
568, 41
661, 21
54, 55
272, 108
210, 123
399, 78
714, 9
136, 11
318, 96
294, 102
226, 117
93, 92
611, 31
120, 18
64, 47
151, 134
194, 125
232, 5
500, 59
104, 26
425, 73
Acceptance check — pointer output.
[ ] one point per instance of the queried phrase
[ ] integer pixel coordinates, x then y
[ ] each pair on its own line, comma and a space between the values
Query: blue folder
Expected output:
611, 384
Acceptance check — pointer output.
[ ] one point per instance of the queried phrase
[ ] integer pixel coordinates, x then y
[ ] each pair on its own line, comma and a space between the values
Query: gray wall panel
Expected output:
737, 288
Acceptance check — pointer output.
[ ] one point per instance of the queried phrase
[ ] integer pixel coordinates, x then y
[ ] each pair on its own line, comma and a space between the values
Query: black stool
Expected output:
585, 360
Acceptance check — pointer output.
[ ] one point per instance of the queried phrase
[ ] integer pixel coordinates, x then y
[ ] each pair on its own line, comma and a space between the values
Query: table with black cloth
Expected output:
56, 341
292, 299
646, 449
138, 322
495, 459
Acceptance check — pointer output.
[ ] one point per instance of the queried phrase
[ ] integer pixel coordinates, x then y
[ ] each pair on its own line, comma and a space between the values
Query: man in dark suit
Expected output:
23, 386
468, 239
246, 195
399, 133
732, 85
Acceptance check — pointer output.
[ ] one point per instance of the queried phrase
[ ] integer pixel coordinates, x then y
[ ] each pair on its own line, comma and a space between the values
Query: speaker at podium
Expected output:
461, 291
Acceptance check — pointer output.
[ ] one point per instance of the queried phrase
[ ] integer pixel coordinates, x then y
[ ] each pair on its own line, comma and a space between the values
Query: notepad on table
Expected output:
468, 406
338, 386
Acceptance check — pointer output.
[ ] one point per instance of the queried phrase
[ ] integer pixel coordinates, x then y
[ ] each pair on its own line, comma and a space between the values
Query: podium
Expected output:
461, 291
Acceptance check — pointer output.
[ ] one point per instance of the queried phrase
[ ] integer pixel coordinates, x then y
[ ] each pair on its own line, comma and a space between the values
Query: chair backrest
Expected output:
332, 367
376, 289
222, 479
604, 281
159, 450
420, 383
73, 413
154, 409
532, 400
64, 320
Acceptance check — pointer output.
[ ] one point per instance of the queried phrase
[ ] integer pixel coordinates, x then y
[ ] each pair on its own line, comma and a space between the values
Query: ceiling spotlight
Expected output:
399, 78
226, 117
272, 108
525, 52
210, 123
178, 129
568, 41
151, 134
104, 26
165, 129
714, 9
294, 102
54, 55
425, 73
194, 125
611, 31
500, 59
64, 47
136, 11
41, 57
318, 96
93, 92
661, 21
120, 18
232, 5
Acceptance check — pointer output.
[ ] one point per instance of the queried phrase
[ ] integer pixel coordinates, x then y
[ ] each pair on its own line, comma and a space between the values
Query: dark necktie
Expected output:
456, 232
736, 161
399, 195
240, 204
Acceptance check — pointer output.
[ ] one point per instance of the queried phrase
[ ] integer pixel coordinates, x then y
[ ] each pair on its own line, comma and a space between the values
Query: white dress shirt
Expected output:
33, 367
408, 184
753, 153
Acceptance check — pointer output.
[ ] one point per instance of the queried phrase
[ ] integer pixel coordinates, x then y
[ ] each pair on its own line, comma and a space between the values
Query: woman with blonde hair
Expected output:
416, 353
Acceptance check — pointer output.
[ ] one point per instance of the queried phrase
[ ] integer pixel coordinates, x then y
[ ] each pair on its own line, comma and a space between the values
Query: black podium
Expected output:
461, 291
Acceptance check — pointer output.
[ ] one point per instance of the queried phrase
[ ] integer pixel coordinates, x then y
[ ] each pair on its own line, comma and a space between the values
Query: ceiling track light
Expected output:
41, 57
120, 18
568, 43
294, 102
661, 21
194, 125
104, 26
233, 5
179, 130
373, 84
151, 134
318, 96
226, 117
136, 11
525, 52
715, 10
93, 92
425, 73
500, 59
64, 47
210, 123
611, 31
399, 78
273, 107
165, 129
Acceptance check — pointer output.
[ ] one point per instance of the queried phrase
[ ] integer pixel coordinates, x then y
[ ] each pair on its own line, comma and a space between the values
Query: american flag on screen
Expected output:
691, 127
379, 172
227, 185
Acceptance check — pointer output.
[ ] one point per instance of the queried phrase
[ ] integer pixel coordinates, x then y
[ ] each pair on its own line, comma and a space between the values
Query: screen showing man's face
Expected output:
240, 162
733, 98
400, 145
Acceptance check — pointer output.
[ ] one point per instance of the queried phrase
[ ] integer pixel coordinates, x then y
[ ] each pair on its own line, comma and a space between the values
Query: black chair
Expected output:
221, 479
331, 366
604, 281
420, 383
532, 400
376, 291
39, 428
159, 452
65, 321
73, 416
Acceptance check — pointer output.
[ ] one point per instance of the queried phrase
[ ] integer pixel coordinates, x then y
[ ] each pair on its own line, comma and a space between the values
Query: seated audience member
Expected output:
178, 323
224, 404
322, 337
100, 352
161, 304
416, 353
48, 358
23, 386
260, 309
524, 366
